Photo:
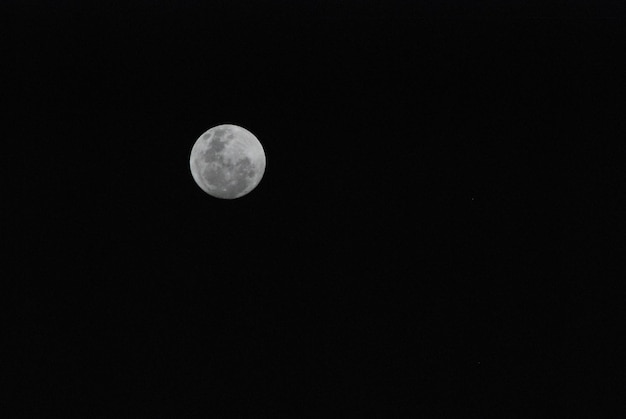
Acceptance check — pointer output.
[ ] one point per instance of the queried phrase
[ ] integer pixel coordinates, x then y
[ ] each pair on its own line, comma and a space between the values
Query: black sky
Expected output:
434, 230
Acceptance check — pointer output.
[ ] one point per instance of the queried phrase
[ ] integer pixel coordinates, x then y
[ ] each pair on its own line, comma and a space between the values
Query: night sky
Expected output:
435, 230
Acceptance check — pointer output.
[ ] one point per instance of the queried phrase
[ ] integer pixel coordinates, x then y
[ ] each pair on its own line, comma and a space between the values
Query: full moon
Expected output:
227, 161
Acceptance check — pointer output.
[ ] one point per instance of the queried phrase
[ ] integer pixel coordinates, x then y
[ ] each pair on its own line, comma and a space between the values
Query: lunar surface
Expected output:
227, 161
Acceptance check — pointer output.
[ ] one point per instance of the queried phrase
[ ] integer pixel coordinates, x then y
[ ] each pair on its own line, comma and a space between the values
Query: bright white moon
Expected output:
227, 161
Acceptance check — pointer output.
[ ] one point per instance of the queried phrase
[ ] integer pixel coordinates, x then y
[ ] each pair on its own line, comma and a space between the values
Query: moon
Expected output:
227, 161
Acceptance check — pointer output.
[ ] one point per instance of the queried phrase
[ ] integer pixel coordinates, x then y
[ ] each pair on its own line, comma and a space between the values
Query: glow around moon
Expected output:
227, 161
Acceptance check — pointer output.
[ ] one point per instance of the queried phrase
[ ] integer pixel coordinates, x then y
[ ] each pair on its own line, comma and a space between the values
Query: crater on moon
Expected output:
227, 161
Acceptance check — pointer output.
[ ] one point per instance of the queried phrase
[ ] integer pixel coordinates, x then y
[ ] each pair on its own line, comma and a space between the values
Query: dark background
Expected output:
436, 229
